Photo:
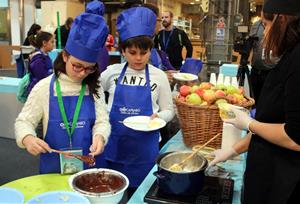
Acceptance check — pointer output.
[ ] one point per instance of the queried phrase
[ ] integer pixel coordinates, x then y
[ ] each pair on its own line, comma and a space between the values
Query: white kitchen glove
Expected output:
222, 155
241, 119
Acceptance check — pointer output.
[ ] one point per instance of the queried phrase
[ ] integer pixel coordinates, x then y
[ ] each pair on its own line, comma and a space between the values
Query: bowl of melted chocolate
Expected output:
100, 185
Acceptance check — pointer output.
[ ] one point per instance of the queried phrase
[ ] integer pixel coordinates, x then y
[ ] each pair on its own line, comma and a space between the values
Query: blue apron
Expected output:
57, 136
128, 151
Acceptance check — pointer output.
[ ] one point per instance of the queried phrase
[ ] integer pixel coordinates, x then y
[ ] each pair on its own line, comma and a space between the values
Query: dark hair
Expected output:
37, 40
170, 13
91, 80
268, 16
132, 3
69, 22
33, 29
142, 42
283, 35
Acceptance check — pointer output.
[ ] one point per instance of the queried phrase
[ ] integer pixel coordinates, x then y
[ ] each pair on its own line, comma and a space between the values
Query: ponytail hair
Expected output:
38, 39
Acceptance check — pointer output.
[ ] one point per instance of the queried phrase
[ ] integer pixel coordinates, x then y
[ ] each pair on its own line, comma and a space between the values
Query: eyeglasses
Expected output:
79, 68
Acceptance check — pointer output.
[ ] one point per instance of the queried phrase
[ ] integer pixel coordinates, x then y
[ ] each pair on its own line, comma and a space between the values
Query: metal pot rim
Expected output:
73, 178
202, 167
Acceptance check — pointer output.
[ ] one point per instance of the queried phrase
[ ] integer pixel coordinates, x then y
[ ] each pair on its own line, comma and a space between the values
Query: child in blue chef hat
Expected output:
70, 102
135, 88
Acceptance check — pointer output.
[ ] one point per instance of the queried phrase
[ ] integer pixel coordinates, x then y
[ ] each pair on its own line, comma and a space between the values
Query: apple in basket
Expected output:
185, 90
209, 96
220, 94
231, 89
200, 92
194, 88
205, 85
193, 98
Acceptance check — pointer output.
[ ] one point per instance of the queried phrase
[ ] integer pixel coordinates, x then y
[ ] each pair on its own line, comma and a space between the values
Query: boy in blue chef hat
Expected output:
70, 102
135, 88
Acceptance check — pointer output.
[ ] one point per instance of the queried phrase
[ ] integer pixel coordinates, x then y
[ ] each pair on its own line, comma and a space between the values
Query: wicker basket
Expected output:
200, 123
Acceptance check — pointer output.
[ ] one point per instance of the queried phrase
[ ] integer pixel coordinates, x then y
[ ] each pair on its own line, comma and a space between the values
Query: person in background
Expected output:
260, 69
98, 8
31, 34
40, 64
135, 88
64, 32
172, 40
272, 174
33, 30
109, 44
70, 102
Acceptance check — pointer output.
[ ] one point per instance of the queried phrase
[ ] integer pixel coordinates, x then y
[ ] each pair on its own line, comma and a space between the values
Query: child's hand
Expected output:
154, 115
97, 146
35, 145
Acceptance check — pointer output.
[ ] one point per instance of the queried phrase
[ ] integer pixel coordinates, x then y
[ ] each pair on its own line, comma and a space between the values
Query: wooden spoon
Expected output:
86, 159
179, 166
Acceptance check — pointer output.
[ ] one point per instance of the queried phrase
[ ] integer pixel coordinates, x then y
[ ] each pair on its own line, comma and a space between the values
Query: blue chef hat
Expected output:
87, 37
95, 7
136, 21
192, 66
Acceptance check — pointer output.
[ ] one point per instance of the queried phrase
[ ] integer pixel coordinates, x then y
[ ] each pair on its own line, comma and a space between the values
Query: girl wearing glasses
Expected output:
70, 102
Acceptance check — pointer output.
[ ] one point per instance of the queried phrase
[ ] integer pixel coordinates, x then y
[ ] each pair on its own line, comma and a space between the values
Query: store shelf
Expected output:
183, 24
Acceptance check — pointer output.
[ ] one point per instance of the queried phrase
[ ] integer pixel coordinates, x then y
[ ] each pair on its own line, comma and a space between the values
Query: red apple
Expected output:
205, 85
220, 94
231, 98
209, 96
185, 90
200, 92
181, 98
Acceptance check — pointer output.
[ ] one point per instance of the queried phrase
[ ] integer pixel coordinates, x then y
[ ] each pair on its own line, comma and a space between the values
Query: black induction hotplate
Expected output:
215, 191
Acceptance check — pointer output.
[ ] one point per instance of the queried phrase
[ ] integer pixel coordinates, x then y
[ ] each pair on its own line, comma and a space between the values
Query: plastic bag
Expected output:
22, 92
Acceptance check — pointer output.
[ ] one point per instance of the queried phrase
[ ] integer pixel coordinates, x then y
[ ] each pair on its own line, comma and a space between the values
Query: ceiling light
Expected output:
192, 3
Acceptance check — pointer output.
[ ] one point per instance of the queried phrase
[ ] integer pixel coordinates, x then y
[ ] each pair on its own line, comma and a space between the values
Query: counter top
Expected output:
9, 84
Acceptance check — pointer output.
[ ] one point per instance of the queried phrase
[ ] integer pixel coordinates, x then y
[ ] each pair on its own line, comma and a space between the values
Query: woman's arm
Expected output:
242, 145
274, 133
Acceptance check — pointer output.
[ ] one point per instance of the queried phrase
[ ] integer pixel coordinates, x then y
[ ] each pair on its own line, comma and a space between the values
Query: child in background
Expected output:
40, 64
135, 85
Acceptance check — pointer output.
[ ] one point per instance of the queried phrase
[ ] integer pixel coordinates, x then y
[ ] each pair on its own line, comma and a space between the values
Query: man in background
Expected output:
64, 32
172, 40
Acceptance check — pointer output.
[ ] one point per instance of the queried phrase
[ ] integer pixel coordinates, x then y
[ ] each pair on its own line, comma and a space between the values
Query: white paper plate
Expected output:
185, 76
142, 123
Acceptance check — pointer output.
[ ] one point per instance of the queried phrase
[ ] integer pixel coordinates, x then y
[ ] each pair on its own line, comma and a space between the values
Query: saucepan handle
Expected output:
158, 175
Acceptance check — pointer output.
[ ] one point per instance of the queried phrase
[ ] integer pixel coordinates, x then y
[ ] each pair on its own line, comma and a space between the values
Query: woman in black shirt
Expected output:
272, 173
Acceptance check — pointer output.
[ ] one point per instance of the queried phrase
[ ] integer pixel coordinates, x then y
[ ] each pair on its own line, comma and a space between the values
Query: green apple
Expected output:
219, 101
221, 87
231, 89
194, 88
193, 98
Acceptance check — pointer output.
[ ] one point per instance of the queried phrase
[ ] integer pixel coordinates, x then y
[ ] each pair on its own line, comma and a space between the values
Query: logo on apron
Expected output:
130, 111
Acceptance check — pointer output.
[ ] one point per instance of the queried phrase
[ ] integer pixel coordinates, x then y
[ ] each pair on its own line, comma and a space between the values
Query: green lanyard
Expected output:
63, 112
